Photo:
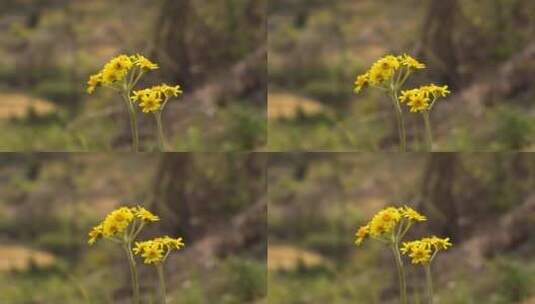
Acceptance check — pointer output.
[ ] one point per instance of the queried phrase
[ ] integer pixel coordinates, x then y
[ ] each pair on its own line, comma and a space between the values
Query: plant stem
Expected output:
401, 273
429, 283
133, 123
161, 282
400, 122
161, 135
133, 272
428, 132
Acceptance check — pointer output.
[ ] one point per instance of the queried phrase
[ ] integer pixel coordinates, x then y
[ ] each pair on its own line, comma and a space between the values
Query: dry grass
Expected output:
21, 258
283, 257
287, 106
16, 105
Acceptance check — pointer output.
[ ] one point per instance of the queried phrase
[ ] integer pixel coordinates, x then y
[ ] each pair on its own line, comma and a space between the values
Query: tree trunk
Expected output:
170, 198
171, 41
438, 43
438, 197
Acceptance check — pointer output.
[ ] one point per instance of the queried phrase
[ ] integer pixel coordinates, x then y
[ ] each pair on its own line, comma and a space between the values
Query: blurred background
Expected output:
50, 201
214, 49
484, 202
483, 49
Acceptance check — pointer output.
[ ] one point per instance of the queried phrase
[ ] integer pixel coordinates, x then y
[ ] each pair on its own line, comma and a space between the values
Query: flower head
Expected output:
168, 90
436, 91
116, 70
416, 99
422, 98
410, 62
144, 63
384, 221
115, 224
156, 250
149, 100
361, 234
93, 82
423, 251
95, 233
117, 221
383, 70
145, 215
411, 214
387, 221
361, 82
418, 251
151, 252
153, 99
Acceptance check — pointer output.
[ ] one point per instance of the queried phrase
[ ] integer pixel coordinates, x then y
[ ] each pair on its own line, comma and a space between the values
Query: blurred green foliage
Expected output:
317, 201
318, 48
49, 49
51, 200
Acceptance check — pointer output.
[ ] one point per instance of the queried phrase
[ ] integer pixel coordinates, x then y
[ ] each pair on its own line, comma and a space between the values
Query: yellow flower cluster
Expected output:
385, 221
118, 220
152, 99
384, 69
117, 68
422, 98
423, 251
156, 250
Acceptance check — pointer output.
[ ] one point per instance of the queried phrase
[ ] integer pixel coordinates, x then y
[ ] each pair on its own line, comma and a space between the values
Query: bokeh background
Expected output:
484, 202
483, 49
214, 49
50, 201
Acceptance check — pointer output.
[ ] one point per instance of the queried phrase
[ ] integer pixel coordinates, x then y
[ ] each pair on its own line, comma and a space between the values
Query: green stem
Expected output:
429, 283
401, 273
400, 122
161, 282
428, 132
133, 123
161, 135
133, 272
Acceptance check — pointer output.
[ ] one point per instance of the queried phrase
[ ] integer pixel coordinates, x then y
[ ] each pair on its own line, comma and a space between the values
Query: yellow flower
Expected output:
383, 69
436, 91
117, 221
111, 76
416, 99
149, 100
418, 103
420, 254
151, 103
152, 99
152, 253
115, 70
411, 214
361, 82
423, 251
168, 91
361, 234
95, 234
145, 214
410, 62
419, 99
143, 63
157, 250
384, 221
437, 243
93, 82
169, 242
